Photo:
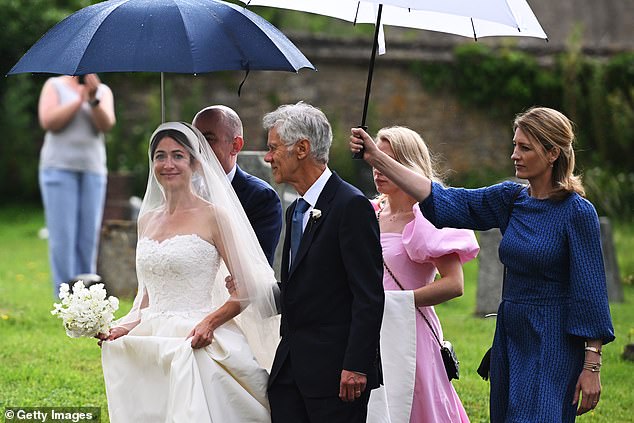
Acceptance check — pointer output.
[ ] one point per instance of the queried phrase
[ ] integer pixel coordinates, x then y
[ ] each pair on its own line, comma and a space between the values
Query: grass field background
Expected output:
41, 366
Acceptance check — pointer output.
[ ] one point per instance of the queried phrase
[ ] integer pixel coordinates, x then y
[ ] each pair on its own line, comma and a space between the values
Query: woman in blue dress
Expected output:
554, 315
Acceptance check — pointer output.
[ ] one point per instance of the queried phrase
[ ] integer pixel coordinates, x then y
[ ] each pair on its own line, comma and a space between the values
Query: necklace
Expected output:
392, 217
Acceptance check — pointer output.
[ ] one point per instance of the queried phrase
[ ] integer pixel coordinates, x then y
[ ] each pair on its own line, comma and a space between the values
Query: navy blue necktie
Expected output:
297, 224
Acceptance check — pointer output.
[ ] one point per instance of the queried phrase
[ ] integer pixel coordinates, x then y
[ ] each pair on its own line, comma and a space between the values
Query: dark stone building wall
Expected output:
465, 138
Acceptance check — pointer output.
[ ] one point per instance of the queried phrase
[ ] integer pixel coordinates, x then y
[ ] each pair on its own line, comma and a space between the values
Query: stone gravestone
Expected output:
612, 275
490, 273
117, 256
118, 193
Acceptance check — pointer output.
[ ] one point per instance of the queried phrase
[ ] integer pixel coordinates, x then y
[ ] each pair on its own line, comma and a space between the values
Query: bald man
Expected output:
223, 130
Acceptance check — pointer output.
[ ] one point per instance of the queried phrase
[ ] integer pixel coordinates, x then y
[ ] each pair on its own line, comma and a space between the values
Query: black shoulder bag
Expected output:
484, 369
449, 358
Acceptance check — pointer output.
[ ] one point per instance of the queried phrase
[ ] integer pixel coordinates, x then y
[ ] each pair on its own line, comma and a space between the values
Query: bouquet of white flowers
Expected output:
85, 311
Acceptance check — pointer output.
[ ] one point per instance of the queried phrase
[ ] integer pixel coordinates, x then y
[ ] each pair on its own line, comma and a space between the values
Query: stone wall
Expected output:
463, 137
466, 138
606, 25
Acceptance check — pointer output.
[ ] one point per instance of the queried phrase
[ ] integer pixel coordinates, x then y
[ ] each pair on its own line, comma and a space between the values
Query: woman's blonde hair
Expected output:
410, 150
550, 129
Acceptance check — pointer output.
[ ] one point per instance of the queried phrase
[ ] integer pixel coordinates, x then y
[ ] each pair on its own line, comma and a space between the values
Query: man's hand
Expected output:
352, 385
230, 285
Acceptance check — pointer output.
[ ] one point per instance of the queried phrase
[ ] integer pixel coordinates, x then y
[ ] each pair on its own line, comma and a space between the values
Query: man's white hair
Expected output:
295, 122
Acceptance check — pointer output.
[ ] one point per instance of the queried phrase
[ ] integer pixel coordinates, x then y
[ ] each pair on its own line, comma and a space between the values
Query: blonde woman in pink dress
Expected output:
415, 251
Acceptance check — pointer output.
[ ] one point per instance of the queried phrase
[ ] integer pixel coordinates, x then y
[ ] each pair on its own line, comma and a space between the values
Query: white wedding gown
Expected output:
153, 374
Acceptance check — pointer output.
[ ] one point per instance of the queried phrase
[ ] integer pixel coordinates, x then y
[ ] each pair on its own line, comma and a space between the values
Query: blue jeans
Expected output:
73, 207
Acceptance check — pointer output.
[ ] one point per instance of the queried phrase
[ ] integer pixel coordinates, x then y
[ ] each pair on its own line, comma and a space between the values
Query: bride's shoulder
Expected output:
146, 219
213, 211
216, 219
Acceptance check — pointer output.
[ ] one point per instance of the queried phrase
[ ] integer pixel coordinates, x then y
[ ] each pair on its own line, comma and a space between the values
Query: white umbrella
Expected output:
468, 18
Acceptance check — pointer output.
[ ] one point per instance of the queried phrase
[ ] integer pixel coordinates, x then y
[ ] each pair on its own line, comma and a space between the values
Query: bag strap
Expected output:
417, 309
378, 215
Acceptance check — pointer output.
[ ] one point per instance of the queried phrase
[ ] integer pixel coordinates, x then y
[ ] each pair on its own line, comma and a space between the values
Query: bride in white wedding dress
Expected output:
187, 352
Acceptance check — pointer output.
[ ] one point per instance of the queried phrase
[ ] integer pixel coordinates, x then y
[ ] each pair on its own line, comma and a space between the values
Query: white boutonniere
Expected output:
315, 214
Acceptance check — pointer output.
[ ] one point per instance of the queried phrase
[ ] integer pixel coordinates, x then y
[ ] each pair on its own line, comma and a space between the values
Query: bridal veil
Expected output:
254, 278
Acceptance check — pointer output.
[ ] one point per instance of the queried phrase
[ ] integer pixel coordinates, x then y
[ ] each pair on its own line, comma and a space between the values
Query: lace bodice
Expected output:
178, 273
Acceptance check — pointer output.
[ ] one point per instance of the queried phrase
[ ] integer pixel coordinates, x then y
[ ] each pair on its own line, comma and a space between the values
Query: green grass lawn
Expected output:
41, 366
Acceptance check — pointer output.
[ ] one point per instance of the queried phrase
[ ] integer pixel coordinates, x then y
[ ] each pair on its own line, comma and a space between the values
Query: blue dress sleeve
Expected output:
588, 311
478, 209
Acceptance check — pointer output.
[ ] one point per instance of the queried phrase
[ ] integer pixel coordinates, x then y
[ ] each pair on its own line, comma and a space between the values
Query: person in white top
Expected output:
75, 112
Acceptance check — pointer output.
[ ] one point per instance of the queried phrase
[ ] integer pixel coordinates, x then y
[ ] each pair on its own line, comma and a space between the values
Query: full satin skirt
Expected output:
153, 375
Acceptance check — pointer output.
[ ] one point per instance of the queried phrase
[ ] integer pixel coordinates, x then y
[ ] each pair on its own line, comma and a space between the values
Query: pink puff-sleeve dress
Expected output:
410, 257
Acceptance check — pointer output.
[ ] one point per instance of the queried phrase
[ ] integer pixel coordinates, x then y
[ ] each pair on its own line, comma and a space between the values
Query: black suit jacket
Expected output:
263, 208
332, 297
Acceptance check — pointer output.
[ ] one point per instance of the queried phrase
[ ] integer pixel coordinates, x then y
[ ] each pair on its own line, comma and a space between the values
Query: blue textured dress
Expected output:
554, 296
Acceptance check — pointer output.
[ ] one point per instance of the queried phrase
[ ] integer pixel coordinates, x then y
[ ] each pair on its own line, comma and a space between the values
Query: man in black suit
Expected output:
331, 291
222, 129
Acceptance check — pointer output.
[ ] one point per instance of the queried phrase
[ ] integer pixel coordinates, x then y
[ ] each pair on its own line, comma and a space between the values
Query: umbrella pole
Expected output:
368, 85
162, 98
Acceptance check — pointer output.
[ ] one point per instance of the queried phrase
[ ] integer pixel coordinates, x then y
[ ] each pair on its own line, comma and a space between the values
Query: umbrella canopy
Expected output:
467, 18
177, 36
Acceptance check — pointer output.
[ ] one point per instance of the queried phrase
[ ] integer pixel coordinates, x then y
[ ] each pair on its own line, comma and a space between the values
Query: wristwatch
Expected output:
94, 102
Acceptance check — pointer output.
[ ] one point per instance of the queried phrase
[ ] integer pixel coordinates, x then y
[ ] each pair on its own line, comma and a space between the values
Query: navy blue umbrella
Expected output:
177, 36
